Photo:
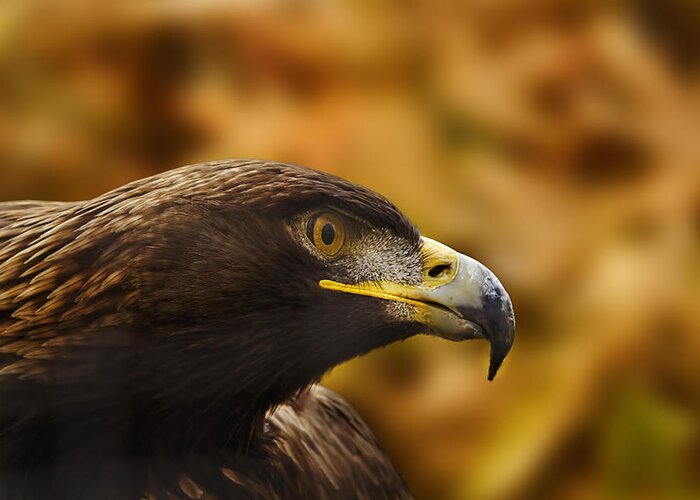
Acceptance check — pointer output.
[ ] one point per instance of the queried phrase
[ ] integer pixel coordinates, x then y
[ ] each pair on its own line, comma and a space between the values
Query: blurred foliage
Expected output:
555, 140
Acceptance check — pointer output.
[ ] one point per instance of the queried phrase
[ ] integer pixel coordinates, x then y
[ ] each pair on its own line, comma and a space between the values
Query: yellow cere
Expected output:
440, 263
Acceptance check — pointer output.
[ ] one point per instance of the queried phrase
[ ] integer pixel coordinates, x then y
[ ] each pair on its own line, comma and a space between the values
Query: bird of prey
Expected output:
164, 340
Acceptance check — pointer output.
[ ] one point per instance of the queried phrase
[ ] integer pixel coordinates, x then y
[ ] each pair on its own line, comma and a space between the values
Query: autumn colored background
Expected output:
556, 141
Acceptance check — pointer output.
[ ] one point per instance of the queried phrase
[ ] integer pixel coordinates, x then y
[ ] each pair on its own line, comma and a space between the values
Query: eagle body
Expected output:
164, 340
315, 446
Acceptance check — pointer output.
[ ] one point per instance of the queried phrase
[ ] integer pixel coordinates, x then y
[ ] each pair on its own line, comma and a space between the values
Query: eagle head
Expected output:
221, 289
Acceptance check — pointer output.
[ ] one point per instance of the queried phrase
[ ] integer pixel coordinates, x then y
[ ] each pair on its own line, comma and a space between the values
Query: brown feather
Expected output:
109, 366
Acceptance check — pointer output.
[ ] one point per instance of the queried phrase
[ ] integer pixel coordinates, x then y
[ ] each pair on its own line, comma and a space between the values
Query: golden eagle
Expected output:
162, 340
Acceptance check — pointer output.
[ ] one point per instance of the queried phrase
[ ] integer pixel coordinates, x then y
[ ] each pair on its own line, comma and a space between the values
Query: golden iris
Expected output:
327, 233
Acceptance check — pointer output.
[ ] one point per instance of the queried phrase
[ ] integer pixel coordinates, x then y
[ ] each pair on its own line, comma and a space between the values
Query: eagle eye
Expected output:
327, 232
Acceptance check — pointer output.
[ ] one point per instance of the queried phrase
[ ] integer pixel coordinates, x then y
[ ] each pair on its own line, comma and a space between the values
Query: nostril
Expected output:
439, 270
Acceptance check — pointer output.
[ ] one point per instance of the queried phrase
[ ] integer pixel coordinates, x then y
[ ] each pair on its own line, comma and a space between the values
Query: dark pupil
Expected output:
328, 234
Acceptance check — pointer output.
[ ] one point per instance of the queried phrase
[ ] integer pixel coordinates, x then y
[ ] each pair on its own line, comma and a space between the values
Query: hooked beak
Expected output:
458, 299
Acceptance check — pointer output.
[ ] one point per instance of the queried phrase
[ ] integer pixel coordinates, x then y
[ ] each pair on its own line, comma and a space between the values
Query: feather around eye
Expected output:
327, 232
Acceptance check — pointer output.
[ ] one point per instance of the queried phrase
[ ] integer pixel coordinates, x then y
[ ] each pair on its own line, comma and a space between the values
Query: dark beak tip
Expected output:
493, 369
499, 350
498, 318
498, 354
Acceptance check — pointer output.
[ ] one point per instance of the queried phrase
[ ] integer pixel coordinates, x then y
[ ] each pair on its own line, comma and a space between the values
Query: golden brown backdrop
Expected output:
557, 141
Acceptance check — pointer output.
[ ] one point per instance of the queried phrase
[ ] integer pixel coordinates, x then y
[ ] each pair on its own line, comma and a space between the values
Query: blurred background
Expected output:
556, 141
